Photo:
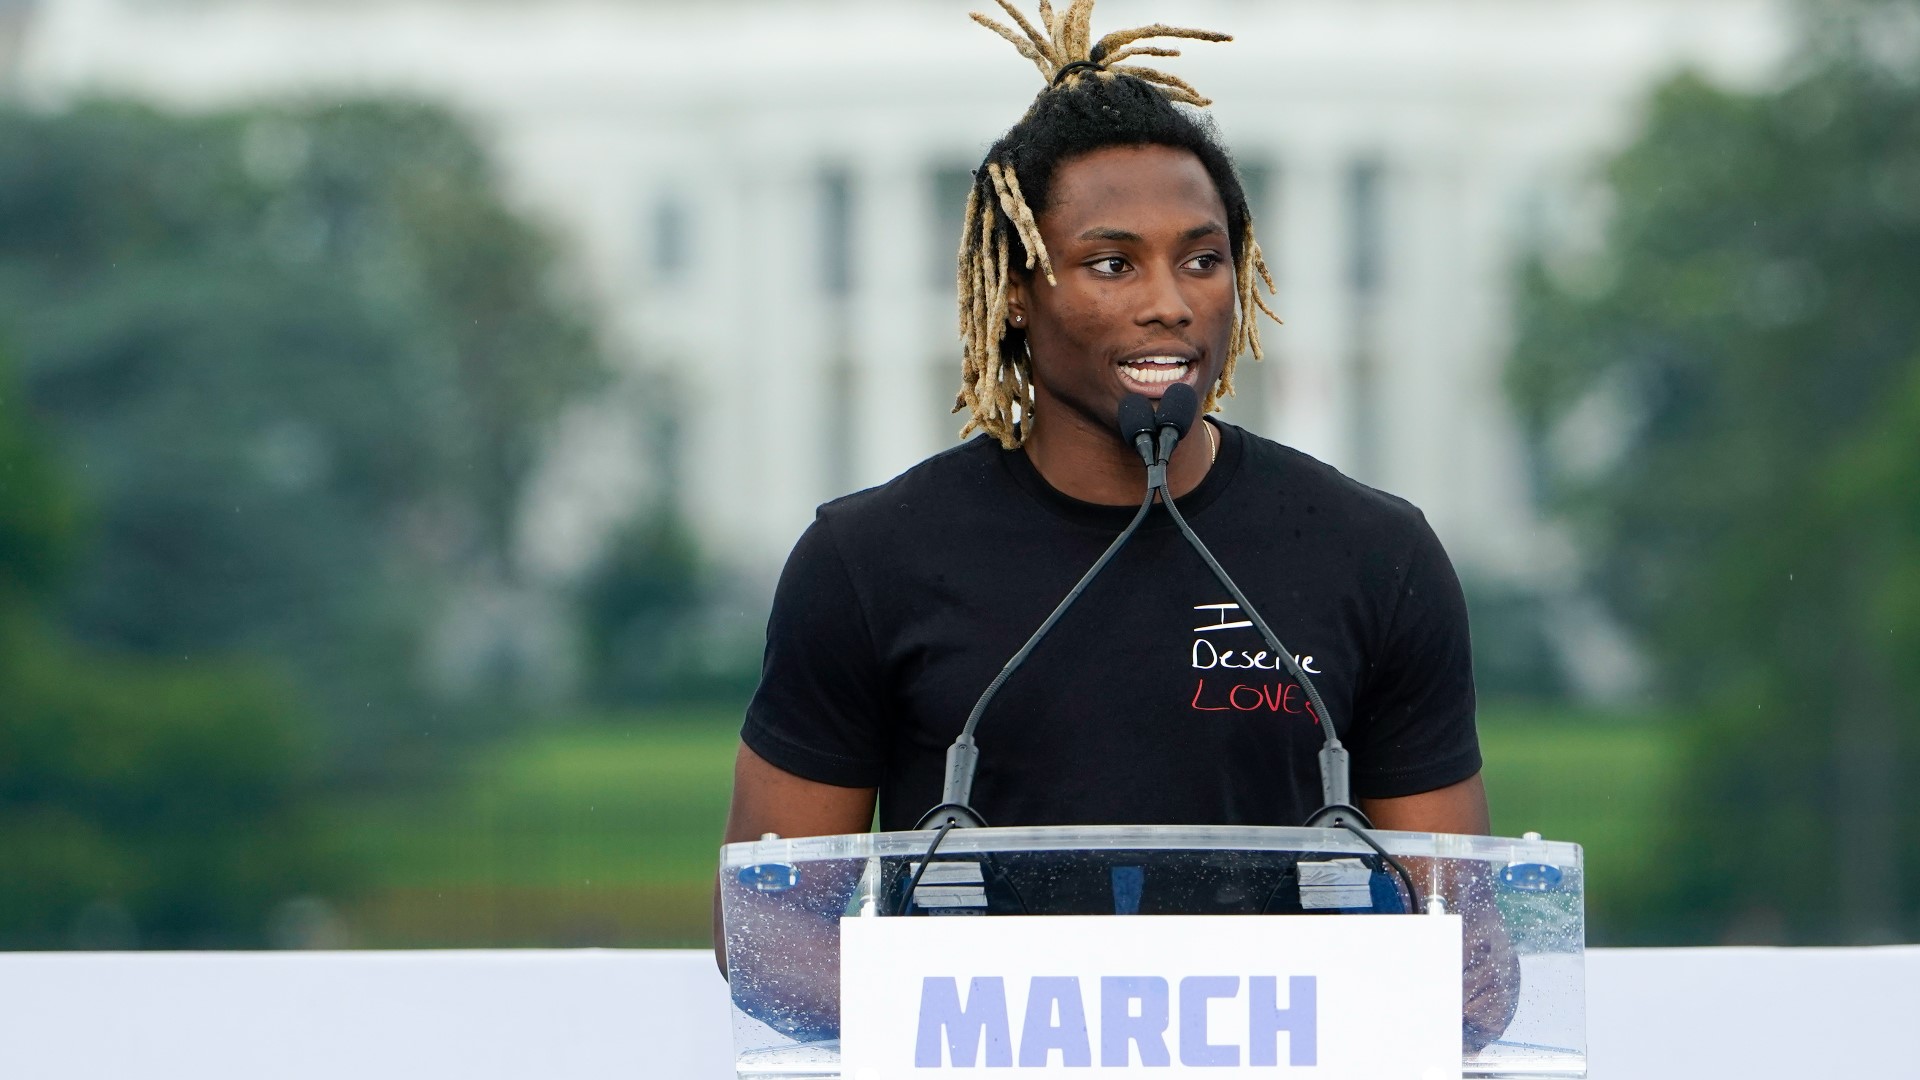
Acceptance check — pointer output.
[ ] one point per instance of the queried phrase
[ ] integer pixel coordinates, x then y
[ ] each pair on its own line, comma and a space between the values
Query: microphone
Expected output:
1178, 408
1138, 425
1154, 436
1135, 425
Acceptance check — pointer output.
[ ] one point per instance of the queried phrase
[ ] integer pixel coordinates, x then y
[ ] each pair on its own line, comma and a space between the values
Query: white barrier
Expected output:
576, 1014
1752, 1014
1653, 1014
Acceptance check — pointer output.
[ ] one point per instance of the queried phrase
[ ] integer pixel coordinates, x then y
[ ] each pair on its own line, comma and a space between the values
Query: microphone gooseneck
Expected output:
1177, 410
963, 757
1154, 434
1178, 407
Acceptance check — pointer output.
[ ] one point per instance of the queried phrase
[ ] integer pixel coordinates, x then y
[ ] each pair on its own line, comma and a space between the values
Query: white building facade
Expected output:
764, 198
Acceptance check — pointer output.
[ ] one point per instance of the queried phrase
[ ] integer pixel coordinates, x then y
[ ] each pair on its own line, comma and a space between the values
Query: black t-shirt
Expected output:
1153, 700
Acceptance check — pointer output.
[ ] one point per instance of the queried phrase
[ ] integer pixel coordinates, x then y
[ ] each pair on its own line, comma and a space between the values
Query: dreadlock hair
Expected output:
1091, 102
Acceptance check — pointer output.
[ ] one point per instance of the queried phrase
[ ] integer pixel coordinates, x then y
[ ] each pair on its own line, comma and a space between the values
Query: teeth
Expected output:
1152, 373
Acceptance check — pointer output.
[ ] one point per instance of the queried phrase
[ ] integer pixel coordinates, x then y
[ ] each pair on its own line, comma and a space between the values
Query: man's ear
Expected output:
1018, 298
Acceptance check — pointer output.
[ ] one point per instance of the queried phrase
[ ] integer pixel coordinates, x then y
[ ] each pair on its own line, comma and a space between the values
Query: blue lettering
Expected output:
1120, 1026
1266, 1020
1195, 992
983, 1019
1056, 1020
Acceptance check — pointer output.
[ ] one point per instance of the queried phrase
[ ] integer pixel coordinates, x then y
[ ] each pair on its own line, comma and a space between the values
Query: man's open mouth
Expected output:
1156, 370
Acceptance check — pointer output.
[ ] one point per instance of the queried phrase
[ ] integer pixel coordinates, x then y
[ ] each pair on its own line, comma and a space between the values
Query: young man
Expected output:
1108, 250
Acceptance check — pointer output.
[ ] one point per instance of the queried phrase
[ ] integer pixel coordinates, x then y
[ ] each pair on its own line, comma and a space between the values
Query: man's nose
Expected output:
1163, 301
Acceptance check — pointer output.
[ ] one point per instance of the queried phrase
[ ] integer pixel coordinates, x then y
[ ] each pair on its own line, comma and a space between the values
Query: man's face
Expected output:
1138, 239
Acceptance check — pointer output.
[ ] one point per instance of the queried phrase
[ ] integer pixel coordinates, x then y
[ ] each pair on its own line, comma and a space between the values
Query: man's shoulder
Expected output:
1298, 482
936, 487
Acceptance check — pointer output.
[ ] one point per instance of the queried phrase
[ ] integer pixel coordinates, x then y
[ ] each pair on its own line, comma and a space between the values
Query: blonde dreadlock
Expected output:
994, 379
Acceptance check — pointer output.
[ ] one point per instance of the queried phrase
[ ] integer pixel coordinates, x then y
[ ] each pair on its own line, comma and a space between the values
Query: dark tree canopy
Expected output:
1727, 401
299, 363
148, 802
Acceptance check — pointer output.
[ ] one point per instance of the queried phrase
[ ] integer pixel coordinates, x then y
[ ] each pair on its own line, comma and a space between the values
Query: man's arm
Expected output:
767, 799
1490, 990
1456, 808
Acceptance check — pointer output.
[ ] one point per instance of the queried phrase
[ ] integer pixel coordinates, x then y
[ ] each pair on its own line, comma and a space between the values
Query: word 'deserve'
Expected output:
1134, 1014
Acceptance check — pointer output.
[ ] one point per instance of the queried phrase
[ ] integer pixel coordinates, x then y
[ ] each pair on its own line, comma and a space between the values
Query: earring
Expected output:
1018, 319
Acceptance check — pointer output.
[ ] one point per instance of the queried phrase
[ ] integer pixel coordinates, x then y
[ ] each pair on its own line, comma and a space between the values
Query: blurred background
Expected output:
405, 408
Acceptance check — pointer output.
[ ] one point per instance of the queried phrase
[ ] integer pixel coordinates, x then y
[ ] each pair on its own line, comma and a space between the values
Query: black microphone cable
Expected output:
964, 755
1416, 904
906, 898
1136, 427
1178, 409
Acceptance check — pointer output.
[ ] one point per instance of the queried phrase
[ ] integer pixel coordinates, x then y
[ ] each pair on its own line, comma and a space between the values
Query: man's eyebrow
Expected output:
1211, 228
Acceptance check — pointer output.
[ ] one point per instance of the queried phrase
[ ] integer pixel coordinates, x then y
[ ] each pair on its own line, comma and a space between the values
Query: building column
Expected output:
1454, 446
1311, 390
772, 472
1421, 341
887, 316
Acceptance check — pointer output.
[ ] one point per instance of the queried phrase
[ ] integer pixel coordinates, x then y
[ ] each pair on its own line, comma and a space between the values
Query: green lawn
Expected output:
1603, 781
601, 833
604, 833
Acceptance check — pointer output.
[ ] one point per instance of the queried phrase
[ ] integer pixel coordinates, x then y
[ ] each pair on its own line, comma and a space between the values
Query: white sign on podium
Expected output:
1178, 996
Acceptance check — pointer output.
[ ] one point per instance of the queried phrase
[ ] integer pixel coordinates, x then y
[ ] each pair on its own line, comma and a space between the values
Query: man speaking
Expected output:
1109, 251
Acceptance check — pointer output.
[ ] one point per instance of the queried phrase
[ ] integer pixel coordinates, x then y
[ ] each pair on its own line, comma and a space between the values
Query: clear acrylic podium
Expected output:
1521, 903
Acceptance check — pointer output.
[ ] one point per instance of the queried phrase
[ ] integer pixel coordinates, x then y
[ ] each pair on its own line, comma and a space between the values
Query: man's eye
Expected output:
1112, 264
1204, 262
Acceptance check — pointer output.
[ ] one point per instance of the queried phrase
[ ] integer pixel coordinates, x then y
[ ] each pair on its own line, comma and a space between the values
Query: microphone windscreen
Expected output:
1136, 418
1178, 406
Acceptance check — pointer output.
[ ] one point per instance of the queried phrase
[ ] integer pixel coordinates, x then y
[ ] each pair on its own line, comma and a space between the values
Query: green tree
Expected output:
301, 360
36, 510
642, 610
149, 803
141, 802
1727, 401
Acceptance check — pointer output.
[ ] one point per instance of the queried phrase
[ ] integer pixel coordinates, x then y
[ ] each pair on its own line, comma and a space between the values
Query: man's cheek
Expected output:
1093, 328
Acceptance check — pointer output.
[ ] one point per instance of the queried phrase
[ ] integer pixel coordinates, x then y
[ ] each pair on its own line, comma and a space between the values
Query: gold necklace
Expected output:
1213, 443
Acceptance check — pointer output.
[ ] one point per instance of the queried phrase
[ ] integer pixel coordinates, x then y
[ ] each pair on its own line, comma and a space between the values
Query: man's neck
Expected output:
1095, 466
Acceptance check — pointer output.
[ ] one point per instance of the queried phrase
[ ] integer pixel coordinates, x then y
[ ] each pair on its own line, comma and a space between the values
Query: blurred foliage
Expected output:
645, 611
300, 362
142, 802
1514, 656
36, 510
1727, 399
635, 606
281, 376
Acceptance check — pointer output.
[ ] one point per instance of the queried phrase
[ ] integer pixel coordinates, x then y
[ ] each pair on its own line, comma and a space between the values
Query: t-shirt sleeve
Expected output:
818, 710
1416, 731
